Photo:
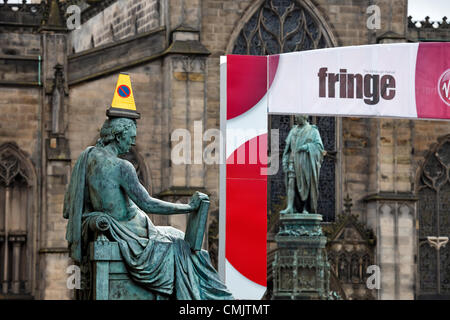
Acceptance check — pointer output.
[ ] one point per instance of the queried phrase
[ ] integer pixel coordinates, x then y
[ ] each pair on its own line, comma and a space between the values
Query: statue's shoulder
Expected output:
126, 163
315, 129
91, 151
101, 156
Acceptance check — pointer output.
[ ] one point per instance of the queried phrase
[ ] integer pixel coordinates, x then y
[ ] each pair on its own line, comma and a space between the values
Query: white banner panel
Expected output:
371, 80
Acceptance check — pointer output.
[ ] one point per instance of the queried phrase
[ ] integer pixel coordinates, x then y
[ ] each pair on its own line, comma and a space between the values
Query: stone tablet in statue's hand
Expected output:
196, 199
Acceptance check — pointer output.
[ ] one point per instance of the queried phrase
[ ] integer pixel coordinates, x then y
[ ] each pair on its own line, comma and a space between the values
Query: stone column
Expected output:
17, 242
56, 155
184, 105
392, 217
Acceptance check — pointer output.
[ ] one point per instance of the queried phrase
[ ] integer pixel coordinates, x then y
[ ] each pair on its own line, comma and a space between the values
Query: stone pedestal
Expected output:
300, 267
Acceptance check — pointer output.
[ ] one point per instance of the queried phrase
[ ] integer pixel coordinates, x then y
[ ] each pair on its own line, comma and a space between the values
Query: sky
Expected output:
418, 9
435, 9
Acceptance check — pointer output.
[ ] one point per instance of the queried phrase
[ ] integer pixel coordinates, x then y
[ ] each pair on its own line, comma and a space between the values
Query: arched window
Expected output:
17, 222
280, 26
434, 222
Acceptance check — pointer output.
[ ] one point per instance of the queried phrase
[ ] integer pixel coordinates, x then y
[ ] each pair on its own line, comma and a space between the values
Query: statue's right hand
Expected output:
196, 199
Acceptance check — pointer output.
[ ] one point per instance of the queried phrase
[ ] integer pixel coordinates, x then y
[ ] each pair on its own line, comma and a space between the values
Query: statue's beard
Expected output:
123, 149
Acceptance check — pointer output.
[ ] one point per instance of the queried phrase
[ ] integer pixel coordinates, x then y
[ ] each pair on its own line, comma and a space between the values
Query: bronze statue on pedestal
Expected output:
302, 159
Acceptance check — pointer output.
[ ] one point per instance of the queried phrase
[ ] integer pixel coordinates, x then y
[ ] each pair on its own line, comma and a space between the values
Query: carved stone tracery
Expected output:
350, 250
281, 26
12, 168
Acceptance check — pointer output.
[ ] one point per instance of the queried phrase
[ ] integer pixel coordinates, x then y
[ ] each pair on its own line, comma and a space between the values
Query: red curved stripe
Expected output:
246, 216
246, 83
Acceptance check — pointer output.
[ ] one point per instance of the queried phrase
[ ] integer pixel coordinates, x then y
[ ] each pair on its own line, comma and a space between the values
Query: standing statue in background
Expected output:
300, 237
302, 159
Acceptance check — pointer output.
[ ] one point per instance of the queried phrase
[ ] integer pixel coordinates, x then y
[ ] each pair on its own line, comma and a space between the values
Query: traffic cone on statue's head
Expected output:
123, 105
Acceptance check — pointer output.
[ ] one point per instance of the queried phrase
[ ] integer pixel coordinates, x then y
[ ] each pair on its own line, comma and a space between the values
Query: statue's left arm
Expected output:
318, 141
139, 195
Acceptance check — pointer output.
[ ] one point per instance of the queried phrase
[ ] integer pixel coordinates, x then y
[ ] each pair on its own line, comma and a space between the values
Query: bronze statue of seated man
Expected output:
157, 258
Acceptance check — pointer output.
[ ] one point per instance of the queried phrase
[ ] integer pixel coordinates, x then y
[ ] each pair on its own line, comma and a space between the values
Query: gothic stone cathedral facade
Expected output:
386, 181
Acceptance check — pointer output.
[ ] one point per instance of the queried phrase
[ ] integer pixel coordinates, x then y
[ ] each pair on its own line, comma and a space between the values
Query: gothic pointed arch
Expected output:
433, 212
15, 166
18, 222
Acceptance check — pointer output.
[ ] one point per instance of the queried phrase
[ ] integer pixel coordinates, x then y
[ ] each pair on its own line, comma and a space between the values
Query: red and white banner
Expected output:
406, 80
245, 197
389, 80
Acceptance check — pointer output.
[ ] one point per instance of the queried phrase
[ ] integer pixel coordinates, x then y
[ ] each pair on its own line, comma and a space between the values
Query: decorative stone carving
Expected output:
300, 268
350, 249
280, 26
12, 168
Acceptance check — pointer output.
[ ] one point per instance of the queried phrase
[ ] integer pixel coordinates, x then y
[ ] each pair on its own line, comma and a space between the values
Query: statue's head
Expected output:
120, 131
301, 119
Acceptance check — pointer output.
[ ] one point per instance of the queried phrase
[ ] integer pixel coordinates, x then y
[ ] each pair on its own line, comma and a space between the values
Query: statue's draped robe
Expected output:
163, 262
306, 163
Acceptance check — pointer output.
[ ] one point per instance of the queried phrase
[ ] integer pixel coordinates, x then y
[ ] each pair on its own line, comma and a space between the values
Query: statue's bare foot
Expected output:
288, 210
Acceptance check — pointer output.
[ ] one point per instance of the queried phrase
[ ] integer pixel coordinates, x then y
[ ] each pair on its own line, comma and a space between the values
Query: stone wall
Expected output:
20, 43
20, 124
20, 119
122, 19
20, 52
53, 273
